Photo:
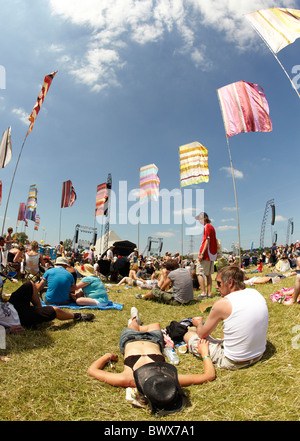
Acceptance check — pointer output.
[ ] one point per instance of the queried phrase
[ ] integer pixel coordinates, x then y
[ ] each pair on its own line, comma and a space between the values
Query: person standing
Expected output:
208, 254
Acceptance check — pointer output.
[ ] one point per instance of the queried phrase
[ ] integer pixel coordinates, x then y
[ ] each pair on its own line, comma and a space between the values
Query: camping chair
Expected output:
3, 278
32, 270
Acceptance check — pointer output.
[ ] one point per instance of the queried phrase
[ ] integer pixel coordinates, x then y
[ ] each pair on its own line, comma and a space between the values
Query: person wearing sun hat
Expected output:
91, 286
145, 368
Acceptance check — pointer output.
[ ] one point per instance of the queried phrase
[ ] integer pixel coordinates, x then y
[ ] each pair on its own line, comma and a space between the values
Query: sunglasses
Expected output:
218, 283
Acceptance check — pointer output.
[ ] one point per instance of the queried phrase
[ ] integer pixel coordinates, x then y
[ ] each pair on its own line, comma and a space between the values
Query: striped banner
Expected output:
40, 99
5, 148
244, 108
68, 196
101, 200
149, 183
37, 222
193, 159
31, 203
278, 27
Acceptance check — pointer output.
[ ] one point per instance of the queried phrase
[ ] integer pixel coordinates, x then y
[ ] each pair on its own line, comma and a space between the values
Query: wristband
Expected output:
206, 356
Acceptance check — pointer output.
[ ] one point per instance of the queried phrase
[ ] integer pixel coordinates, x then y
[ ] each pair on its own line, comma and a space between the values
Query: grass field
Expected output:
46, 377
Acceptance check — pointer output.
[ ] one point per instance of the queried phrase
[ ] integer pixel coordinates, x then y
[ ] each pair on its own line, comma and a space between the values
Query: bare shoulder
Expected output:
222, 307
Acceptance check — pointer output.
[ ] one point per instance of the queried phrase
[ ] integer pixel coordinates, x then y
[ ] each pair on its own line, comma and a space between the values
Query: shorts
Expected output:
205, 268
167, 297
216, 352
30, 315
129, 335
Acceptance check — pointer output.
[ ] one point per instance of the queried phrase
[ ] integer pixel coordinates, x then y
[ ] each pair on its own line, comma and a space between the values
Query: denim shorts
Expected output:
129, 335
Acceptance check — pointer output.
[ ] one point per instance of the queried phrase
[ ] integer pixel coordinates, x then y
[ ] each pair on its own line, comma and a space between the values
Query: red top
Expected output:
212, 250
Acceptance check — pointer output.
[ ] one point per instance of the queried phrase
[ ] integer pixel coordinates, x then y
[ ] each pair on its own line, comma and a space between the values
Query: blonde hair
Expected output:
34, 245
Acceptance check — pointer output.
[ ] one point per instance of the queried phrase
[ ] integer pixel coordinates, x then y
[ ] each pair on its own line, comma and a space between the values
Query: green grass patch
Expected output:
46, 377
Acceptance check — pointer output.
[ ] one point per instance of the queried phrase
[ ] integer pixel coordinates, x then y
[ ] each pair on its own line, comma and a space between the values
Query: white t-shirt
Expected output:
8, 315
245, 330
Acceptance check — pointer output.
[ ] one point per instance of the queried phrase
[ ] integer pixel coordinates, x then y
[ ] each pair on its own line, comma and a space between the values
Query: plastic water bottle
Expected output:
171, 355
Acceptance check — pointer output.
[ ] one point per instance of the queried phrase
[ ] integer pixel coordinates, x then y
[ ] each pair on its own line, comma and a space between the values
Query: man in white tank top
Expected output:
245, 318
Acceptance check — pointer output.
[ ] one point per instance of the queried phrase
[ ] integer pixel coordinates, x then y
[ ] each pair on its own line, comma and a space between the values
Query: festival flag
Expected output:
68, 196
278, 27
22, 211
149, 183
37, 222
244, 108
193, 164
5, 148
31, 203
40, 99
101, 200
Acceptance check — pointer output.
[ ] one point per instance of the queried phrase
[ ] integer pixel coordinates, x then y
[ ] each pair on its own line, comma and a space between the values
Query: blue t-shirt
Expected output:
59, 282
95, 289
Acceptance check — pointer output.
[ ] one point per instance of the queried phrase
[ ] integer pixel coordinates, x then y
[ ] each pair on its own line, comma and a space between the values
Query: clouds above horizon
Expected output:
113, 24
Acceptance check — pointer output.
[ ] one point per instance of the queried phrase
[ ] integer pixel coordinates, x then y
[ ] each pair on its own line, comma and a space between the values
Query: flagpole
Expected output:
236, 203
60, 225
9, 193
281, 65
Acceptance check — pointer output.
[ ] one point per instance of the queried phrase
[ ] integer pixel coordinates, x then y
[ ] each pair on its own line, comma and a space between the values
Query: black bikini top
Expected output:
131, 360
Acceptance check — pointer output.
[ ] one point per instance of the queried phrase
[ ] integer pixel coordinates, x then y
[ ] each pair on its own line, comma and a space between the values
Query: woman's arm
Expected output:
96, 370
209, 373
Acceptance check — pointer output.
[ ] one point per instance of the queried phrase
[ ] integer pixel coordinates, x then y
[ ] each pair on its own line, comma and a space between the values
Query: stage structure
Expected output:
269, 204
290, 230
84, 243
154, 246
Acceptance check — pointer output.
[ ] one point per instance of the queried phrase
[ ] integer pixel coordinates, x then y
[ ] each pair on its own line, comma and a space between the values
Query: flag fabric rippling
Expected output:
101, 200
40, 99
193, 159
68, 196
278, 27
244, 108
5, 148
149, 183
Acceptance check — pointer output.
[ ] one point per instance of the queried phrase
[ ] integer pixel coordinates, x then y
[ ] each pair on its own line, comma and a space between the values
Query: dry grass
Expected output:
46, 378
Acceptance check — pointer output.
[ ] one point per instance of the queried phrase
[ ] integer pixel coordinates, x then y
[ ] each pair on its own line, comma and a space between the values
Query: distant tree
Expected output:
68, 244
21, 238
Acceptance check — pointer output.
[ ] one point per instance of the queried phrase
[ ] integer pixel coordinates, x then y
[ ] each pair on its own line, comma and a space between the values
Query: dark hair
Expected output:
172, 265
234, 273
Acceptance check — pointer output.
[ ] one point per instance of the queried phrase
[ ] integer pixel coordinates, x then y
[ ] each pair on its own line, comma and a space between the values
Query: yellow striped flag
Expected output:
278, 27
149, 183
193, 159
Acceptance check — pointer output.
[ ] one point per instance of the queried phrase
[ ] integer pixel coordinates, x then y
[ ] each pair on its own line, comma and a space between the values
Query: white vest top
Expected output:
245, 330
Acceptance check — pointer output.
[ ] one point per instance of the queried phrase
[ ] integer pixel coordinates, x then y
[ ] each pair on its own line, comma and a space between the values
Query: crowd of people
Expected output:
169, 279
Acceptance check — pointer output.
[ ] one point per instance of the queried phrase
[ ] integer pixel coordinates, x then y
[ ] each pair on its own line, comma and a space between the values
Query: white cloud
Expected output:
22, 115
279, 218
226, 227
237, 173
229, 208
228, 220
164, 234
114, 22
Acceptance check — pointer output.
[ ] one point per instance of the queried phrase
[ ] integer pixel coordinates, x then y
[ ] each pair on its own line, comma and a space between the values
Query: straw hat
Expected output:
85, 270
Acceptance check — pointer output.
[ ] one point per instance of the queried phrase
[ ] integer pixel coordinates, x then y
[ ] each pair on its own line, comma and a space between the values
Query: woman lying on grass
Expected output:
146, 369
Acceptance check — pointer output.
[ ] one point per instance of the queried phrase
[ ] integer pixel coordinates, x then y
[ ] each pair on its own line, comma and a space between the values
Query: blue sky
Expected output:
137, 79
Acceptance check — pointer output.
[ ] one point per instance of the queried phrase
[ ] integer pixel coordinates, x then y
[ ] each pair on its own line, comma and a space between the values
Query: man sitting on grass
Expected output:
244, 313
24, 309
182, 286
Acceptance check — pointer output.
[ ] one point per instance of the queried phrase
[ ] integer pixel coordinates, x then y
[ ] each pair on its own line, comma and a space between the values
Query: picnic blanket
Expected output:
73, 305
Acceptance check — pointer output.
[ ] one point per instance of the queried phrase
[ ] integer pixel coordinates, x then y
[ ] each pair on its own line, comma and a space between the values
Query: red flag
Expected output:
40, 99
68, 196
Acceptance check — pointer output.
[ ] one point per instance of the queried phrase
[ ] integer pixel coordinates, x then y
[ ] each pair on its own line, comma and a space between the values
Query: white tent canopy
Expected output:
113, 237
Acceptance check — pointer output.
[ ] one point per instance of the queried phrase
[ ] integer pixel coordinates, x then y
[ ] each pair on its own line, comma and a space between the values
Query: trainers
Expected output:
134, 315
138, 296
83, 317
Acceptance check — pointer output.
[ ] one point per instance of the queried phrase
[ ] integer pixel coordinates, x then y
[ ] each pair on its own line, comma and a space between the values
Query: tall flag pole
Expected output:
32, 117
193, 160
278, 27
149, 188
68, 198
244, 108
